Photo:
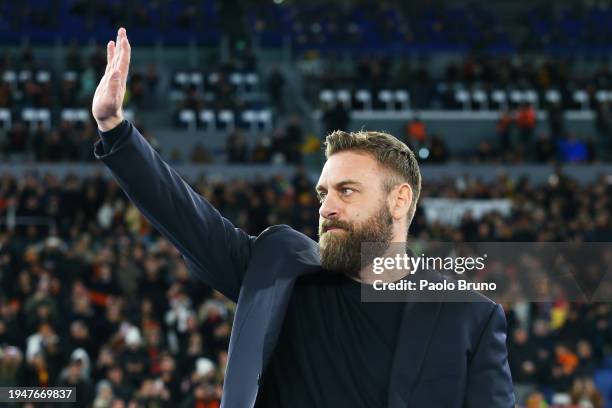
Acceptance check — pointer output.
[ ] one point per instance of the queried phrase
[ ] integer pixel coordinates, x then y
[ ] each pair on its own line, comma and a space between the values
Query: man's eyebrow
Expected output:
339, 184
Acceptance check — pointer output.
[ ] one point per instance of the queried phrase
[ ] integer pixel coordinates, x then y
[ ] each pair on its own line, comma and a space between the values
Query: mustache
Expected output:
335, 224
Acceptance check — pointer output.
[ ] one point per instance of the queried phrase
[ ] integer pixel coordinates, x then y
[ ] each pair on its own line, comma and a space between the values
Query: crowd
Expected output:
92, 296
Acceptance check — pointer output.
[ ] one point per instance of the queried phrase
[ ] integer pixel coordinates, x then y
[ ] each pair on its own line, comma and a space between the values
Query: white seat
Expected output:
364, 97
196, 78
70, 76
43, 76
531, 97
181, 78
250, 118
403, 97
265, 118
34, 116
5, 118
227, 118
188, 118
75, 115
344, 96
480, 97
386, 96
517, 97
552, 96
24, 75
213, 78
582, 98
463, 97
9, 76
252, 81
208, 117
327, 96
237, 79
500, 98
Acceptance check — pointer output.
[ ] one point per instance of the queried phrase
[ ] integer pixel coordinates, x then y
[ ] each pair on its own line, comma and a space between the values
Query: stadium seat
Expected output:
188, 118
5, 118
181, 79
196, 78
70, 76
462, 97
226, 119
265, 118
207, 117
531, 97
75, 115
364, 99
24, 75
10, 77
213, 78
402, 97
238, 80
581, 98
516, 97
249, 118
603, 96
480, 99
344, 96
552, 96
34, 116
43, 76
251, 81
499, 99
386, 96
327, 96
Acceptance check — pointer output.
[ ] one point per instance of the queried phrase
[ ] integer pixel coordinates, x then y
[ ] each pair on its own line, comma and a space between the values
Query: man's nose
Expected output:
330, 207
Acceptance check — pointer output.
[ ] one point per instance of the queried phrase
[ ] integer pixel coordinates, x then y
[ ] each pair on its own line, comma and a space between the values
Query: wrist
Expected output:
110, 123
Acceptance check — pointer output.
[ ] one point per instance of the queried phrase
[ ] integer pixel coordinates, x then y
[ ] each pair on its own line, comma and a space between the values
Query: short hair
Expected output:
391, 153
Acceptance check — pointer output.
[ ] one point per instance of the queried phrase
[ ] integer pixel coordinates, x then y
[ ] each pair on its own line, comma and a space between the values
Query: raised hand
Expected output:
108, 99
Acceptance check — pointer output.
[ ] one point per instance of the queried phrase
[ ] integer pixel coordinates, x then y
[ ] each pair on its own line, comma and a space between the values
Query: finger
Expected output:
110, 53
124, 58
113, 87
118, 48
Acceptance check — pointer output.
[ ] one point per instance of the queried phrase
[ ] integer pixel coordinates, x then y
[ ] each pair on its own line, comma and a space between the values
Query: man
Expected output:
301, 336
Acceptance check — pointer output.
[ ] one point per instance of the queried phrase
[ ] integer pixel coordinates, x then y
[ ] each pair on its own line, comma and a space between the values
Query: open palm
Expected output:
108, 99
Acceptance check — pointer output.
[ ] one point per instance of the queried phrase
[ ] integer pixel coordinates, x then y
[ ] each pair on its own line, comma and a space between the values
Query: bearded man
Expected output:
301, 335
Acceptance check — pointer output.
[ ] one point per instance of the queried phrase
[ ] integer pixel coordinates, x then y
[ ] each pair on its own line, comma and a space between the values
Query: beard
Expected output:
341, 251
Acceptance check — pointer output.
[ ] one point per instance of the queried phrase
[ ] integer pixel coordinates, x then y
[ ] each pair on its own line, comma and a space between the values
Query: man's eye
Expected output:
347, 191
321, 197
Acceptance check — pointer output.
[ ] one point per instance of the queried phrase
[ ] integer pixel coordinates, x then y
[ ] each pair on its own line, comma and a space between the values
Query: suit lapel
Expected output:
417, 326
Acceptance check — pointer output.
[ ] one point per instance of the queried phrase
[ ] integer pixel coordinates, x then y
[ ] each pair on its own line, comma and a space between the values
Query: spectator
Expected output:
416, 133
504, 131
276, 87
526, 122
236, 148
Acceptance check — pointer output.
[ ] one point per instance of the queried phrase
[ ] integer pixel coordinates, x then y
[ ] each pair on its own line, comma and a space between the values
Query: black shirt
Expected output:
333, 350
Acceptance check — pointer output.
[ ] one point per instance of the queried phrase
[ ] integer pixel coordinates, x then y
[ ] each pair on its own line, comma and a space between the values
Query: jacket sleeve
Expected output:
214, 250
489, 380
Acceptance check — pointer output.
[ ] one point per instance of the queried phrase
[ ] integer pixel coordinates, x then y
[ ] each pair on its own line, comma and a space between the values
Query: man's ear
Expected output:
400, 200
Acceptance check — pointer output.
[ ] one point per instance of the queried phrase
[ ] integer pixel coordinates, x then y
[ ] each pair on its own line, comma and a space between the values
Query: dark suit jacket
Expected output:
447, 354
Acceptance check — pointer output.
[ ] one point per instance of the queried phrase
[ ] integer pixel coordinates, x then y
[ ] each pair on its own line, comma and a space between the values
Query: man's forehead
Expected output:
355, 166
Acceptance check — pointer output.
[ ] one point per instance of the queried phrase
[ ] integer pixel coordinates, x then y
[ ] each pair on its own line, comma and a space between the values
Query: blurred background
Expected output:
506, 104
